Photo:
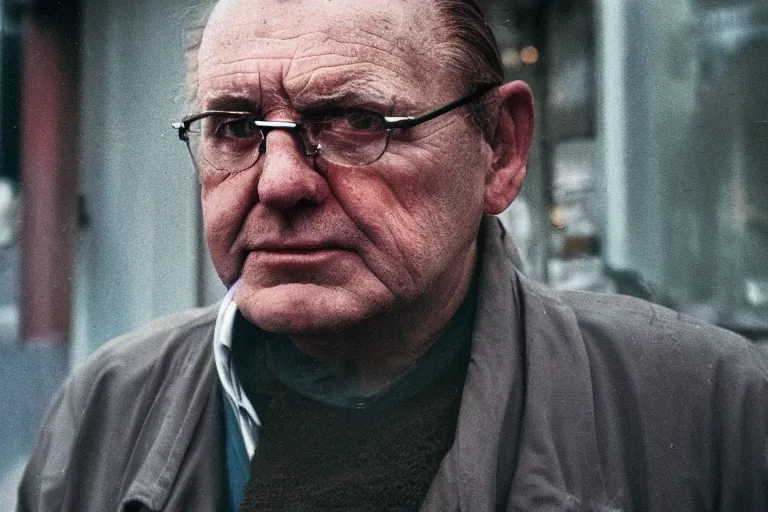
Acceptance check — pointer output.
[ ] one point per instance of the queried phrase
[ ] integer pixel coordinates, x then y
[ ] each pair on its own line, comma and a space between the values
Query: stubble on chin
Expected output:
301, 309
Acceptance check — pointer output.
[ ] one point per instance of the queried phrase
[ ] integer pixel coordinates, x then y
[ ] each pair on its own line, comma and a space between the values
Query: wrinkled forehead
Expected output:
339, 39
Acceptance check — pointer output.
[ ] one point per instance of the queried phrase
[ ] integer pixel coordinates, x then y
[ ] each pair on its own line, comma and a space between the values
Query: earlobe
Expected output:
511, 145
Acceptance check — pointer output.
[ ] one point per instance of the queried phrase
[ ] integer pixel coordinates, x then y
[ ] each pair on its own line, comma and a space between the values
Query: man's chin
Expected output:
300, 309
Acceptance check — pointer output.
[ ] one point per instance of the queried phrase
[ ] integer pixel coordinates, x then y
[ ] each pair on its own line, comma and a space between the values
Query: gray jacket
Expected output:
572, 401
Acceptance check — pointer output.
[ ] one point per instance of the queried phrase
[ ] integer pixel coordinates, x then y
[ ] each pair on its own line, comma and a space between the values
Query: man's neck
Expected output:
375, 352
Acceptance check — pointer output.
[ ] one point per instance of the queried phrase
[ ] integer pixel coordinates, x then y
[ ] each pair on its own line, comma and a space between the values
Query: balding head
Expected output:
464, 44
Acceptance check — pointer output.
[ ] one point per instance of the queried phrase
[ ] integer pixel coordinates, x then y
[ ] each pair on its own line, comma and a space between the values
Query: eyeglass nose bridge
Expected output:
297, 129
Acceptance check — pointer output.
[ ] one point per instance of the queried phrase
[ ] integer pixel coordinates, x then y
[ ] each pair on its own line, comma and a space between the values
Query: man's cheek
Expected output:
378, 211
222, 255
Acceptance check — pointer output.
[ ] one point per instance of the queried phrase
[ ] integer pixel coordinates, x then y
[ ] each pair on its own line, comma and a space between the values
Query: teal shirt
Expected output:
238, 465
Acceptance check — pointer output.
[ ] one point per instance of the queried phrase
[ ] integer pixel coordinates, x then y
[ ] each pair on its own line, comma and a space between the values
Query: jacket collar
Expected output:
526, 431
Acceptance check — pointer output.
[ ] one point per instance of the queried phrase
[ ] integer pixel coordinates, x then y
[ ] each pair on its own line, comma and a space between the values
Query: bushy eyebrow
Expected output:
347, 94
235, 102
335, 99
352, 94
340, 99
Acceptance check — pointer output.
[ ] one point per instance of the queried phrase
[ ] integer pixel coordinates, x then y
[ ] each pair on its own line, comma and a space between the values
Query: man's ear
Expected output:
510, 146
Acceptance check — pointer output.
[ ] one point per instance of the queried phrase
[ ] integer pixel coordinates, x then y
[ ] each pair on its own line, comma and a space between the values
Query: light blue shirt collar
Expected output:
247, 419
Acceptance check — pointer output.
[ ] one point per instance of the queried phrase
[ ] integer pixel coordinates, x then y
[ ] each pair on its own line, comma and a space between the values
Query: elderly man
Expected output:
377, 348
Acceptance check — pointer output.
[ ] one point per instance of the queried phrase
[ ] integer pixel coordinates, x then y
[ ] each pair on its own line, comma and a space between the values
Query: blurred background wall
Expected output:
100, 207
649, 174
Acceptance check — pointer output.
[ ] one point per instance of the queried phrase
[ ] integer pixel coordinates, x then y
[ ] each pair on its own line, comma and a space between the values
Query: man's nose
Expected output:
287, 176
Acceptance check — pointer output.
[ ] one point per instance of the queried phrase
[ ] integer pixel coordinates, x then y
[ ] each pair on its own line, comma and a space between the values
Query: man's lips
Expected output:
298, 248
306, 250
295, 254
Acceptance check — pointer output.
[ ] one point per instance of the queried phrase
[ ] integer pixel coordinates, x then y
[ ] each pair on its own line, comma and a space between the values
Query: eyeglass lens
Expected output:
235, 143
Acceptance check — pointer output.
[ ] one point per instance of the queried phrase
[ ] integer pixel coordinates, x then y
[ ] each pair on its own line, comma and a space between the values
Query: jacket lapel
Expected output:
525, 438
559, 464
477, 472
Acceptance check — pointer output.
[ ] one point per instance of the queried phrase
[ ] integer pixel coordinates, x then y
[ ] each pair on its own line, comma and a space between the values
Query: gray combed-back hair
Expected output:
470, 48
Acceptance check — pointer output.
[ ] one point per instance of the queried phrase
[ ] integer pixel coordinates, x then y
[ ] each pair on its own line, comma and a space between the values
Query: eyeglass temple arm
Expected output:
408, 122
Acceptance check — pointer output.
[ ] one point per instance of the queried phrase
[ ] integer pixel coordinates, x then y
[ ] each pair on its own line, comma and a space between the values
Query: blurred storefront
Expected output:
650, 172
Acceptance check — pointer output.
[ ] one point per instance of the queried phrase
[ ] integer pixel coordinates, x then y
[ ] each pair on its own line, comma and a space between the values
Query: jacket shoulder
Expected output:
175, 337
618, 322
651, 342
681, 404
124, 417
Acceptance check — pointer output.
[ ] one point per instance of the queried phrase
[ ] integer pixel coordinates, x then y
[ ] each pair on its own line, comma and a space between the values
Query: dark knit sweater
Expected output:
317, 456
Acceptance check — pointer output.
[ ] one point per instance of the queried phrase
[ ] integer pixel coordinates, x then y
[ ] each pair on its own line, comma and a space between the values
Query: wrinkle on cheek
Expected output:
445, 169
226, 205
390, 227
436, 128
419, 177
406, 240
226, 266
407, 214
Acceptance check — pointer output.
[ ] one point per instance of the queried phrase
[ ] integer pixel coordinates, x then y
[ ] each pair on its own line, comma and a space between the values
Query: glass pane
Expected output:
650, 170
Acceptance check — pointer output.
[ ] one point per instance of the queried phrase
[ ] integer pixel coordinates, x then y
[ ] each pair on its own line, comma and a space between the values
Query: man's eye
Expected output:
363, 121
240, 128
352, 122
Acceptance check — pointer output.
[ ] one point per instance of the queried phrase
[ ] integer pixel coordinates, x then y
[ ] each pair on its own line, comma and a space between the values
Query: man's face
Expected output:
319, 247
